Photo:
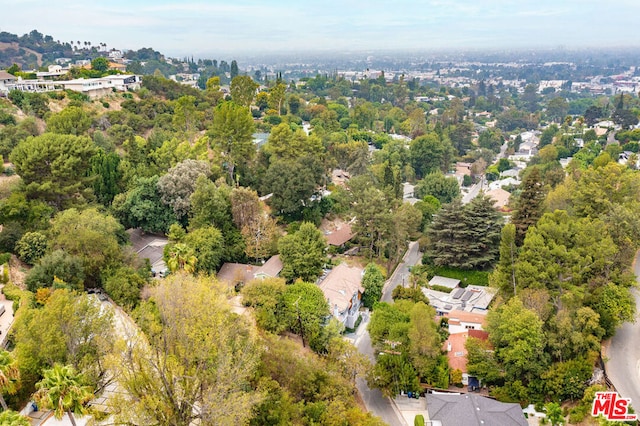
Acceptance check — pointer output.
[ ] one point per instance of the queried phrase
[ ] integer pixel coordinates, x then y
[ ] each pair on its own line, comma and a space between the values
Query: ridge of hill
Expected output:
6, 54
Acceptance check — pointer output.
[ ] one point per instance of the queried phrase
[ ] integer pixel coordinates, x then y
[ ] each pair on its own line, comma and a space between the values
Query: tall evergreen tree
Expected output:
504, 276
530, 204
483, 224
466, 237
447, 235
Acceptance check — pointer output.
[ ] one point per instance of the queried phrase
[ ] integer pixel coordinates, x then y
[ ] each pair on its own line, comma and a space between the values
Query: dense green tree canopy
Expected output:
303, 253
444, 188
68, 329
177, 186
465, 237
54, 168
429, 154
141, 207
72, 120
91, 236
230, 134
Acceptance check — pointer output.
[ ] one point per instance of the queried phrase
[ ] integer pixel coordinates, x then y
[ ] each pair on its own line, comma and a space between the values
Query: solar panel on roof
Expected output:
467, 295
448, 307
458, 293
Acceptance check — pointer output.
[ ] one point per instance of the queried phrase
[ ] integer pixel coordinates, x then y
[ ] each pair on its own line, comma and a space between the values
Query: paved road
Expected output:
401, 274
373, 399
623, 353
473, 192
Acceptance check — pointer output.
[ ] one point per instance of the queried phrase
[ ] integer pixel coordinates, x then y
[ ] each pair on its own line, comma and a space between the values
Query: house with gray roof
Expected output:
151, 247
471, 409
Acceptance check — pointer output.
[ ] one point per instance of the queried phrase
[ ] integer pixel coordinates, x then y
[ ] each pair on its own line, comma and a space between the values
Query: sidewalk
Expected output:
6, 319
409, 408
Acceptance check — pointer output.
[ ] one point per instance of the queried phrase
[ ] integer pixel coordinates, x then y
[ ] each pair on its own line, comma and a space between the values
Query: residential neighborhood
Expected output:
369, 238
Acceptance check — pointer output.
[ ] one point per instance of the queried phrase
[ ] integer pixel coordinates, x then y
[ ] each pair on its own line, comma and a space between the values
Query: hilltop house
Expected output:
5, 80
343, 290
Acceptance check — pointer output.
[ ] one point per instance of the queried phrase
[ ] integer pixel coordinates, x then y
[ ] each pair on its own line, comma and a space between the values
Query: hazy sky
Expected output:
204, 28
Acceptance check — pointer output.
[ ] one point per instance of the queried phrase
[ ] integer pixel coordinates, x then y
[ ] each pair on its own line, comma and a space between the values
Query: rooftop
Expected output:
457, 317
472, 409
340, 235
271, 267
341, 284
6, 76
444, 281
233, 273
474, 299
500, 197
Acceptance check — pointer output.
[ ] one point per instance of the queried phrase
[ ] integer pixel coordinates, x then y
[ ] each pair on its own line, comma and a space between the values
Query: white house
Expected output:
5, 80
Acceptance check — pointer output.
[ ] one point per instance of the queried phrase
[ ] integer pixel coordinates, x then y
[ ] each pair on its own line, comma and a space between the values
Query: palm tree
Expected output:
9, 376
181, 257
554, 414
61, 389
11, 418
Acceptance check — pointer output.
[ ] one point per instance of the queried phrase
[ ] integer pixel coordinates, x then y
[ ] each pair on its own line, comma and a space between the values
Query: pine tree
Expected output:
466, 237
530, 204
447, 235
483, 223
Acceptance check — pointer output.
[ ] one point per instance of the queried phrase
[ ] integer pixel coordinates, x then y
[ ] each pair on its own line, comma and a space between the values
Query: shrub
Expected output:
4, 258
273, 119
58, 96
441, 288
77, 96
31, 247
16, 294
418, 420
6, 118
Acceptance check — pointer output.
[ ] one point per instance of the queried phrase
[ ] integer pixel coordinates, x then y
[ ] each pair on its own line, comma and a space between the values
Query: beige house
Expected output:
343, 290
241, 273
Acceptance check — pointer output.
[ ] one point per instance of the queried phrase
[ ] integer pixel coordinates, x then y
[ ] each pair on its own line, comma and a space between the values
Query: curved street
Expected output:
623, 353
373, 399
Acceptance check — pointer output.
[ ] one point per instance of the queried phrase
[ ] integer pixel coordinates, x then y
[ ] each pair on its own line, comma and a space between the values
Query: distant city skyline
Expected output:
210, 28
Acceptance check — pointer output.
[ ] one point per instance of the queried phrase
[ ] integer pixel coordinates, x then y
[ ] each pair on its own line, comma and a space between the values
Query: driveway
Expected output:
622, 354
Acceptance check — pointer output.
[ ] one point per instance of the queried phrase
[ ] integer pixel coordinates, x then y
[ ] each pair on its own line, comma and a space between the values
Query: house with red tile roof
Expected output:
457, 352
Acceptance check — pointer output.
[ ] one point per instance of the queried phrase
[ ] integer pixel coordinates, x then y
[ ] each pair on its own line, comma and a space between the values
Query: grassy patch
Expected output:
441, 288
466, 278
